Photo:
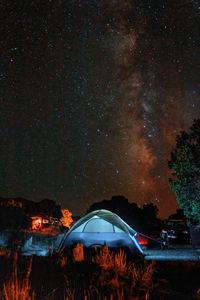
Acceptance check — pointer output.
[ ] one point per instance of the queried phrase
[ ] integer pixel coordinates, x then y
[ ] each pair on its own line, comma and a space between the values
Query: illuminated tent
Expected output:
102, 227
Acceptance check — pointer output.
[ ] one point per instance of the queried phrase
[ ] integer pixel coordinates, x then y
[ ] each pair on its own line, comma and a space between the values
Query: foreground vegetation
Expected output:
96, 274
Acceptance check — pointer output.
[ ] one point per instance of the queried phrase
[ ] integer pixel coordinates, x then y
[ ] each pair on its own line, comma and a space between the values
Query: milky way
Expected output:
93, 94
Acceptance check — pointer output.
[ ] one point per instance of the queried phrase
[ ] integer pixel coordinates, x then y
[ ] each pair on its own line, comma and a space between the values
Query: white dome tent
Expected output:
102, 227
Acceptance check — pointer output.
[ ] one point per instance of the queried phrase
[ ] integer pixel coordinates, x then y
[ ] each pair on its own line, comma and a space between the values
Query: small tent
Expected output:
102, 227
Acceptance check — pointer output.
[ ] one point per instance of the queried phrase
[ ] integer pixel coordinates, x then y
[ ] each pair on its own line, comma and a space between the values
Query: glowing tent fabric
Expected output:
102, 227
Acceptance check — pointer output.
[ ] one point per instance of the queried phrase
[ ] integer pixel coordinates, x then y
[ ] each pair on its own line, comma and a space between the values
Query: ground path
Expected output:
175, 253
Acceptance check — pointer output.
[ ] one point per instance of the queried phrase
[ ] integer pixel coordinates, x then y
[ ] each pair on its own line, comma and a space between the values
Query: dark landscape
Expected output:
102, 275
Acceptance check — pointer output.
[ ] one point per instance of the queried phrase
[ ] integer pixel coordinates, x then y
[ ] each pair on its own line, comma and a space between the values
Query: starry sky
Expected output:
93, 94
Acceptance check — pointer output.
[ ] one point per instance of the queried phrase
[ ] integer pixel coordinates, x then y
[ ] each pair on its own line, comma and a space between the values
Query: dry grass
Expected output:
124, 278
110, 260
118, 279
120, 264
69, 294
141, 278
78, 253
101, 275
104, 258
5, 252
18, 289
62, 261
142, 274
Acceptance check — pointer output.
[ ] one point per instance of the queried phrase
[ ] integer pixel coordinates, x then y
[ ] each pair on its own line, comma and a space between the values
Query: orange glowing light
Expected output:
36, 223
142, 240
66, 219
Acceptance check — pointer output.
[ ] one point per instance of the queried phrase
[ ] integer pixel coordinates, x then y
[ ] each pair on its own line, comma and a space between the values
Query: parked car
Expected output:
178, 232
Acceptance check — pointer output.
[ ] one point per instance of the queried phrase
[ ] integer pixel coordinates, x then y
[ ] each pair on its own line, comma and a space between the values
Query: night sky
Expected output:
93, 94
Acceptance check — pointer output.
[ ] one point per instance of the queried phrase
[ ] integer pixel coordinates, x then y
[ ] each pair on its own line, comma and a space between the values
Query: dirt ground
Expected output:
175, 253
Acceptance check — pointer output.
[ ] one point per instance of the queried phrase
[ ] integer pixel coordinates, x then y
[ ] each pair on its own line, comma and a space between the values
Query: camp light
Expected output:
36, 223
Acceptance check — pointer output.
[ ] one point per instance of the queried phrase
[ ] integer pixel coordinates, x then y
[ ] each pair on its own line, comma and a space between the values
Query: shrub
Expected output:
78, 252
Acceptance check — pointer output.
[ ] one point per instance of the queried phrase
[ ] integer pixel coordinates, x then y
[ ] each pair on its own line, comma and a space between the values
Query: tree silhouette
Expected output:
141, 219
13, 218
49, 208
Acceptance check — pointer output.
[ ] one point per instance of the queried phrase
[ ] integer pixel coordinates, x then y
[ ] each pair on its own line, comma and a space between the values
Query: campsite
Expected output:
100, 150
97, 258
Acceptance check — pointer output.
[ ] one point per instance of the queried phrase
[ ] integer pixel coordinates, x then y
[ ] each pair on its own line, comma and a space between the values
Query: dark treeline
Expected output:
16, 210
141, 219
44, 208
